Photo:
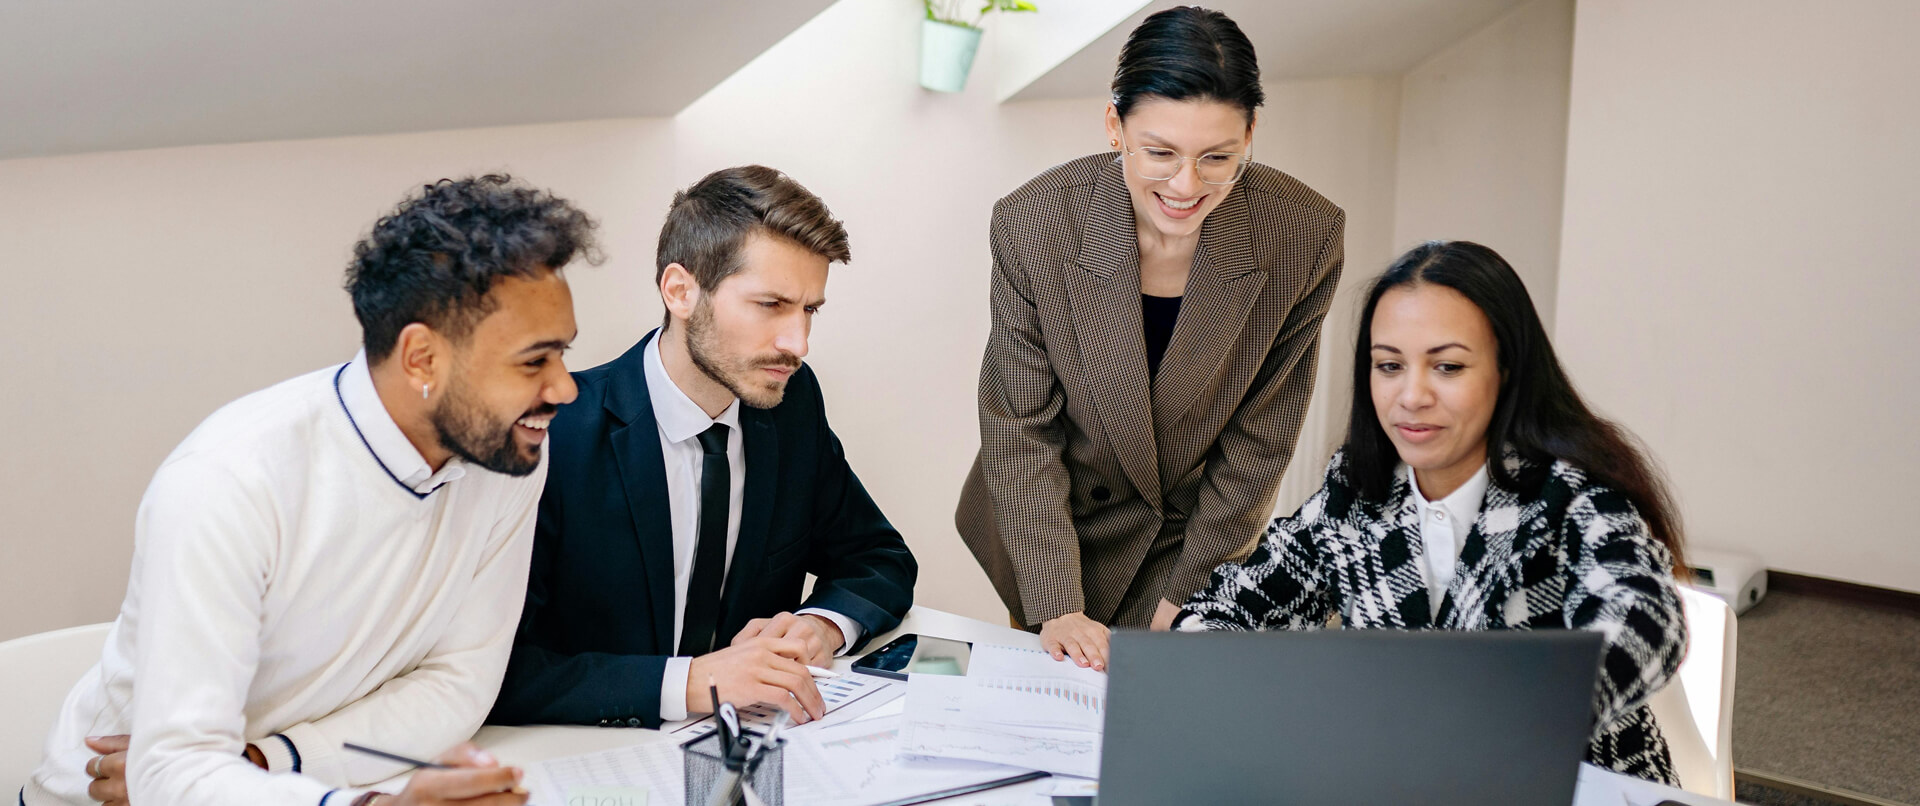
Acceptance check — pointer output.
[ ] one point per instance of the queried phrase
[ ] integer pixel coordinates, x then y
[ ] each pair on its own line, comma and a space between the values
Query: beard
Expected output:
468, 431
739, 374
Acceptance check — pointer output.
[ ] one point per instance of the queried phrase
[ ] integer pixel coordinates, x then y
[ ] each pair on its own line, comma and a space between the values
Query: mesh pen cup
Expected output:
706, 769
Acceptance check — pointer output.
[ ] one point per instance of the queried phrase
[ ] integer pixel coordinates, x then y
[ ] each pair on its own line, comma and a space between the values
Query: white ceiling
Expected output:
92, 75
1297, 39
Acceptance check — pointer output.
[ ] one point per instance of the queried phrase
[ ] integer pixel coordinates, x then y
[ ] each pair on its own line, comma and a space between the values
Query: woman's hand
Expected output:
1164, 615
1076, 636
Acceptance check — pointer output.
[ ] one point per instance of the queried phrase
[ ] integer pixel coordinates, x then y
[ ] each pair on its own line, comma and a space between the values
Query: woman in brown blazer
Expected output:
1156, 316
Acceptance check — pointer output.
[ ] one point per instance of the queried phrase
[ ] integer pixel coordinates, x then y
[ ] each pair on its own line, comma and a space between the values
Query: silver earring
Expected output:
423, 390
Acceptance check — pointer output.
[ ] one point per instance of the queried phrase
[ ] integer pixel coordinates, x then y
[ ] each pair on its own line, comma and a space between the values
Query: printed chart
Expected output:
837, 693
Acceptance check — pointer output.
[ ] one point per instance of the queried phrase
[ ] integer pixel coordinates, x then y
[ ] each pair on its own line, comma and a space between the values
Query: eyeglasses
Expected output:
1161, 164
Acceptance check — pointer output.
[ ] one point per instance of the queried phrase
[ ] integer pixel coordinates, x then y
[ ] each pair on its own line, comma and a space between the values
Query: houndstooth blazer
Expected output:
1572, 555
1098, 488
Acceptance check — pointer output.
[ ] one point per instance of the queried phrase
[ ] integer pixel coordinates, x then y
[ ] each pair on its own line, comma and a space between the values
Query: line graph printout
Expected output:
975, 720
858, 763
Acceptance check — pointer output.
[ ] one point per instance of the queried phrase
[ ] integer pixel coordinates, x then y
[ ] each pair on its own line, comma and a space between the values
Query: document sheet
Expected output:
656, 768
846, 697
857, 764
1016, 706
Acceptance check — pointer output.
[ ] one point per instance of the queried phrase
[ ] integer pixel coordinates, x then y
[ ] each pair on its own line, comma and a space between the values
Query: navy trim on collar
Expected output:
363, 440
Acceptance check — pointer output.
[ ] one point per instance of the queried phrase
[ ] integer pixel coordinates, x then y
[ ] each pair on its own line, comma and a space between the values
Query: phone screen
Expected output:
917, 654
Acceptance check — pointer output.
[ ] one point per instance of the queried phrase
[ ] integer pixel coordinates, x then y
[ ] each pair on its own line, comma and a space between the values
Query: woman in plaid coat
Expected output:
1476, 491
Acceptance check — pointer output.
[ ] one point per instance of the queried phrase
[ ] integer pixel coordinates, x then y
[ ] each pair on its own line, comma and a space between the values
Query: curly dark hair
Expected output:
435, 257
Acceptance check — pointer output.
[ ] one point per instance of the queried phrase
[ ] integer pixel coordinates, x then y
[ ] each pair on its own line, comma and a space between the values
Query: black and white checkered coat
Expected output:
1573, 555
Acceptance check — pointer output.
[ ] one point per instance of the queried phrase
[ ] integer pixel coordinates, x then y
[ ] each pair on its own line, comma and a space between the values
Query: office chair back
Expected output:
1695, 711
39, 670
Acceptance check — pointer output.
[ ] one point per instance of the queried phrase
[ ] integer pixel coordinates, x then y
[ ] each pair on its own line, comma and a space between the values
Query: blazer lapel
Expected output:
643, 474
1105, 300
762, 466
1402, 561
1483, 578
1221, 290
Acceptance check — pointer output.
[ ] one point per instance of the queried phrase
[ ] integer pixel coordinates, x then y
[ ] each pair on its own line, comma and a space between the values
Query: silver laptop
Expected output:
1348, 717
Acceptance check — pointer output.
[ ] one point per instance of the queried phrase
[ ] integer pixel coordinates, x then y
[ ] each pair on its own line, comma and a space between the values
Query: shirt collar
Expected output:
389, 445
680, 418
1464, 503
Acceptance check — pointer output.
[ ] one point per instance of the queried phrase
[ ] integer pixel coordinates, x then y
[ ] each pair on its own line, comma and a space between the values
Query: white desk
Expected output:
522, 746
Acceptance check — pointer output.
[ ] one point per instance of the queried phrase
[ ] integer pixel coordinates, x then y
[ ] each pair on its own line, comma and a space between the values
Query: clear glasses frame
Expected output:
1157, 160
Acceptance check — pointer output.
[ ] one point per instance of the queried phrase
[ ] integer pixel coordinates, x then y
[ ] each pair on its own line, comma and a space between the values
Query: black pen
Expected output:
416, 763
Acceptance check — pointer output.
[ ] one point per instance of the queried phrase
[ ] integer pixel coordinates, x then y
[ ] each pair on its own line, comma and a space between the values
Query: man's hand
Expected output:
108, 769
1076, 636
821, 635
476, 780
757, 670
1164, 615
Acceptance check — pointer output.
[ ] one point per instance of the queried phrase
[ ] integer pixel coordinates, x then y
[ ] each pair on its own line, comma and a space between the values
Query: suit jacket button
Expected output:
1101, 493
633, 722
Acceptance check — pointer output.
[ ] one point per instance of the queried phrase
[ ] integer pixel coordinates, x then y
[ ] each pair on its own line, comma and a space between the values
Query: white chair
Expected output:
39, 670
1695, 710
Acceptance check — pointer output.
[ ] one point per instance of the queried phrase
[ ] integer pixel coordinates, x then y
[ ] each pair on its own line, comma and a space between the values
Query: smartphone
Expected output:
916, 654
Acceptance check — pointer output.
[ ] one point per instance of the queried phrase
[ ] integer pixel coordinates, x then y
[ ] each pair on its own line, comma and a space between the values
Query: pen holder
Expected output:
705, 769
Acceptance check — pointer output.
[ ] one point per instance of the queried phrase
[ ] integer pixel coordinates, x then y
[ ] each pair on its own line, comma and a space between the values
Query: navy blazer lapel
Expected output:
761, 461
643, 474
1105, 298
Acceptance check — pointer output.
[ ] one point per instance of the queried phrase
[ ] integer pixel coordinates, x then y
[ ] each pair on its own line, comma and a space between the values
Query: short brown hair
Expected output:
710, 221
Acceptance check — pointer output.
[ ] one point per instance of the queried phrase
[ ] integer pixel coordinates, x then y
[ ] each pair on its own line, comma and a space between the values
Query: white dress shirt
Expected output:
1444, 526
301, 578
681, 423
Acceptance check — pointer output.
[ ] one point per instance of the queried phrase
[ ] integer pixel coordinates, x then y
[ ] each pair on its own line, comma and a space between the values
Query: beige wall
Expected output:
1737, 273
1469, 144
147, 288
1483, 136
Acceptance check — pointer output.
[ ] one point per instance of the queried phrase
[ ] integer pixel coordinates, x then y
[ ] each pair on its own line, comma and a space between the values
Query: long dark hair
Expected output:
1538, 414
1188, 53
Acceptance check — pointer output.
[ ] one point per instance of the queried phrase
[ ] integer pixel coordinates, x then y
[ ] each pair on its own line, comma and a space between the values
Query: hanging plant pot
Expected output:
946, 54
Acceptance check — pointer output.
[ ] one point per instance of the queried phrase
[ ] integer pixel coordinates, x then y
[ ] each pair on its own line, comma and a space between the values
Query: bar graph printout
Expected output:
846, 697
1018, 707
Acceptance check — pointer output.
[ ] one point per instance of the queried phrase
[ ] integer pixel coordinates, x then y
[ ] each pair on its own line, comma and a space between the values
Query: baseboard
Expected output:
1809, 789
1845, 591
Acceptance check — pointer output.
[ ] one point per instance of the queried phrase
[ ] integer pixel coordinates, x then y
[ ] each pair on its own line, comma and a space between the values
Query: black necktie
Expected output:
710, 553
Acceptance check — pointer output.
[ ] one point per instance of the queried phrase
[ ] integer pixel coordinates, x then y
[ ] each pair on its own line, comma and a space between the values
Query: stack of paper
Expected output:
858, 763
1017, 707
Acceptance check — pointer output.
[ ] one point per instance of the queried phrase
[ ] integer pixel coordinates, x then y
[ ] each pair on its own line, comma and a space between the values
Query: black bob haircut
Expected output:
435, 257
1188, 53
1538, 413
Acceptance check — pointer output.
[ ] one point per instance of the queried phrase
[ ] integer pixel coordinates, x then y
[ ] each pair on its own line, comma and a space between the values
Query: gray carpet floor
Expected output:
1829, 692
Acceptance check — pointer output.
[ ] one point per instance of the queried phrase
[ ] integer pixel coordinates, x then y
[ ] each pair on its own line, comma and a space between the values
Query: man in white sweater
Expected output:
342, 557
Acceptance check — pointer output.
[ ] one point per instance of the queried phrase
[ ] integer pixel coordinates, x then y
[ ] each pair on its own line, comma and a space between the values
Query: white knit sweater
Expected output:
301, 578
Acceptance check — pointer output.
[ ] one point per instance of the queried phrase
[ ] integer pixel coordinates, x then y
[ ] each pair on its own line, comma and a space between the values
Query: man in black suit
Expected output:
678, 525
